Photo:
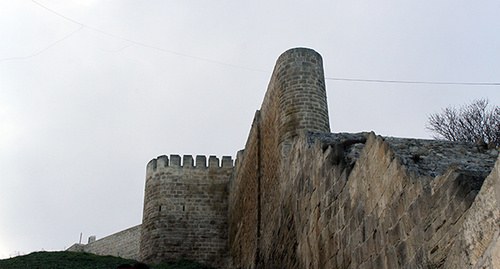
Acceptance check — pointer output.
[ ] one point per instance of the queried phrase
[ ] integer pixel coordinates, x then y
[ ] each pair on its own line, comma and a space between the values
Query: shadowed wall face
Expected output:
295, 101
349, 200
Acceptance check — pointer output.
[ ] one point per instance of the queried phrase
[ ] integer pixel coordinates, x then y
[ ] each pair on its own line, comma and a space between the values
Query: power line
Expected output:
133, 42
45, 49
144, 44
120, 49
417, 82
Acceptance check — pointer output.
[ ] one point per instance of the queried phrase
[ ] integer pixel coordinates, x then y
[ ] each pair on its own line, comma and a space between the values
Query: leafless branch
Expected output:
468, 123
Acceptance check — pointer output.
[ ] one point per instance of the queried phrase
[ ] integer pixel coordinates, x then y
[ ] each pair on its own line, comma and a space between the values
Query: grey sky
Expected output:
81, 114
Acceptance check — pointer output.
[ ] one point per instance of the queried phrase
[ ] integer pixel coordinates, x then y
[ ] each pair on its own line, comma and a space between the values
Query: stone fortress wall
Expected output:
185, 210
123, 244
295, 101
299, 196
347, 202
360, 200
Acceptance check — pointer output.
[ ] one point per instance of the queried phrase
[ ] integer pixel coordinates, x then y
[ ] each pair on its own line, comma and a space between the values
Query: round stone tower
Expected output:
185, 210
299, 78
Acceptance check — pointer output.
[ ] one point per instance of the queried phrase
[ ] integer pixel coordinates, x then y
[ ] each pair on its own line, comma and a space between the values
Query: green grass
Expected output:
72, 260
180, 264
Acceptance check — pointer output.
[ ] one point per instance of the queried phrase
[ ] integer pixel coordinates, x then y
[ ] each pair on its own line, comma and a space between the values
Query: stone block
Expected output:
162, 161
213, 162
379, 262
187, 161
175, 160
402, 253
201, 161
392, 258
227, 162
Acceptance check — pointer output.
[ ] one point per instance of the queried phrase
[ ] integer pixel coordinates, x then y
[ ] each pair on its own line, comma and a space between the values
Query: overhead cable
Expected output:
144, 44
416, 82
43, 50
133, 42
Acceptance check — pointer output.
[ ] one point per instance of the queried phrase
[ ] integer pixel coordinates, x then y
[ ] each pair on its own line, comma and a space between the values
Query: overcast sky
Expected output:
91, 90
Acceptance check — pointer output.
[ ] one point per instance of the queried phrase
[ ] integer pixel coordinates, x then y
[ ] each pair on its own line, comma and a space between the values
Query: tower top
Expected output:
299, 80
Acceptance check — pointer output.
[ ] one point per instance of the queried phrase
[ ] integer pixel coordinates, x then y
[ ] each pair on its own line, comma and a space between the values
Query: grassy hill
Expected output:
71, 260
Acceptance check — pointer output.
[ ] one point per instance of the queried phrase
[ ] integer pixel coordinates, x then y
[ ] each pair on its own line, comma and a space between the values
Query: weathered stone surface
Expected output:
186, 211
354, 199
123, 244
477, 243
302, 197
400, 217
433, 157
295, 101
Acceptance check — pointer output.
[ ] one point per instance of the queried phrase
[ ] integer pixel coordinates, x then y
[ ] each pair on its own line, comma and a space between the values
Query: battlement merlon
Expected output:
164, 161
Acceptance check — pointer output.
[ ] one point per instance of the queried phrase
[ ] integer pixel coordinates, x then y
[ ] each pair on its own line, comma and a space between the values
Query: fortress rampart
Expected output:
295, 101
185, 209
299, 196
305, 198
348, 202
123, 244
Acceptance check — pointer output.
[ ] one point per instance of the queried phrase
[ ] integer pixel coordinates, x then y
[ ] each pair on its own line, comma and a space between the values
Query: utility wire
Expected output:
133, 42
146, 45
120, 49
417, 82
45, 49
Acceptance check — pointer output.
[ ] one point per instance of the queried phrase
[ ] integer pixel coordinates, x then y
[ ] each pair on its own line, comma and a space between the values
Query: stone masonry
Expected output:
186, 210
299, 196
123, 244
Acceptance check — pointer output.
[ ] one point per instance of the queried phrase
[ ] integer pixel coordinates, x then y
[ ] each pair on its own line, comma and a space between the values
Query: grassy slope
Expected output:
71, 260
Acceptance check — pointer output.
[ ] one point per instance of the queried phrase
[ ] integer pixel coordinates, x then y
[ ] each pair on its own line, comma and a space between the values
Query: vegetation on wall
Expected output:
469, 123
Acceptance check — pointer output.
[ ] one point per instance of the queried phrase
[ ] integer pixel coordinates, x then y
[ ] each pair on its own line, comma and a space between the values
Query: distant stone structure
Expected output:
123, 244
299, 196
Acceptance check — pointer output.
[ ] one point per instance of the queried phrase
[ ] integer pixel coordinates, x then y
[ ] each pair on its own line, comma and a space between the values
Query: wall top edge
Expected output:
187, 161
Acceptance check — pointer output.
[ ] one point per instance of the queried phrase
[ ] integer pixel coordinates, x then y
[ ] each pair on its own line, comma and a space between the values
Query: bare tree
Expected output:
470, 123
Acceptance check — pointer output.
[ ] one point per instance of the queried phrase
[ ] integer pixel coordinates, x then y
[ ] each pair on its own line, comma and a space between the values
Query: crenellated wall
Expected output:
299, 196
185, 210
